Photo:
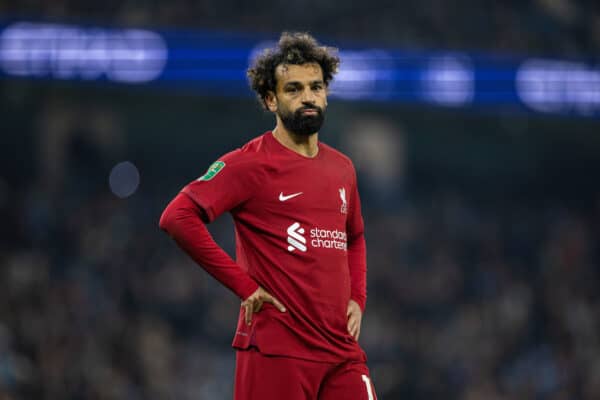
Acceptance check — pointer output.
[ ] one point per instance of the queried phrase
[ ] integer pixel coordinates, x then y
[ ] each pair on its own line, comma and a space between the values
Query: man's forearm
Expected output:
357, 263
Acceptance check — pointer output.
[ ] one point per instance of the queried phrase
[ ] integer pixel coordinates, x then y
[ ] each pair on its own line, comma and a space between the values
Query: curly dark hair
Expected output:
293, 48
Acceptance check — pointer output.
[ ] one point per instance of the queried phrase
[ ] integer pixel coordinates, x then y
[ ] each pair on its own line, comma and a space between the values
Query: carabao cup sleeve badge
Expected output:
212, 171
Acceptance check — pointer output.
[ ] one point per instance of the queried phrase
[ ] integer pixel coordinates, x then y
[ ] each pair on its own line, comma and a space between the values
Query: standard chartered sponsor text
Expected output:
328, 239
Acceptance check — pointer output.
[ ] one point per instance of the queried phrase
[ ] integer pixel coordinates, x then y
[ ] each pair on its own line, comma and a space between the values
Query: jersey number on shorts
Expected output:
367, 382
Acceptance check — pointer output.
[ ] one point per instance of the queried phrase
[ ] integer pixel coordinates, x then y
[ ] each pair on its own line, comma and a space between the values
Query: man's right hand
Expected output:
254, 303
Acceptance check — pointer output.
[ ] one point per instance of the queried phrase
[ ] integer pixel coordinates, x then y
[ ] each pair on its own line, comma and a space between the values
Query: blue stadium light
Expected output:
209, 62
69, 52
449, 80
552, 86
363, 74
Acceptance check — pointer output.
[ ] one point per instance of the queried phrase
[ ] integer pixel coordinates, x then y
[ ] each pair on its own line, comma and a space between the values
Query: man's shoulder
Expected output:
249, 153
255, 146
336, 155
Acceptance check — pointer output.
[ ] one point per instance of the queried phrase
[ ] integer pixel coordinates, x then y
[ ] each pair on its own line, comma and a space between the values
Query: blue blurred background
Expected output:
475, 133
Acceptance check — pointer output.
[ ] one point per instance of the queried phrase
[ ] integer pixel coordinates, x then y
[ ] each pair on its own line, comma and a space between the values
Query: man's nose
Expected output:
308, 96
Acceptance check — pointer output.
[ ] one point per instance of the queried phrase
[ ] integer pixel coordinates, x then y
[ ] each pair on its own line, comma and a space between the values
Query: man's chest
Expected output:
316, 195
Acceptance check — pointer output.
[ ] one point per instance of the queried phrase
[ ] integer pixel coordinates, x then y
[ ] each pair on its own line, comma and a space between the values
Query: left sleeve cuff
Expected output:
360, 300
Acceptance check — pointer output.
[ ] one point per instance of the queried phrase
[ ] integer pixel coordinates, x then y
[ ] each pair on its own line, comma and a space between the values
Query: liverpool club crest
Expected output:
344, 207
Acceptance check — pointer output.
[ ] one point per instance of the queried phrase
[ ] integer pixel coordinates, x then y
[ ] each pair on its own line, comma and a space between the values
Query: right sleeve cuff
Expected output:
248, 289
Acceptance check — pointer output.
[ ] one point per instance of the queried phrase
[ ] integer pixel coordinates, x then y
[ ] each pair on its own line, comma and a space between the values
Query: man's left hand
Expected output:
354, 315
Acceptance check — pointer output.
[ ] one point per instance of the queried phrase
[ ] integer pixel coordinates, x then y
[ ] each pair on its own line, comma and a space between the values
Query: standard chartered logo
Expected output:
295, 239
319, 238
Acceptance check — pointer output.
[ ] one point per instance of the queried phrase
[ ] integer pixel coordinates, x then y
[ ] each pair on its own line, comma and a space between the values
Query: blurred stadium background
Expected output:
474, 129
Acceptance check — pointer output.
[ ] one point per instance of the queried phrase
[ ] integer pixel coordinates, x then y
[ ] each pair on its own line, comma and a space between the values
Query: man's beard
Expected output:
304, 125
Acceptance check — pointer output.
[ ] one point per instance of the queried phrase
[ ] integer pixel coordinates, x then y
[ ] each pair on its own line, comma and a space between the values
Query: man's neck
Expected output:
306, 145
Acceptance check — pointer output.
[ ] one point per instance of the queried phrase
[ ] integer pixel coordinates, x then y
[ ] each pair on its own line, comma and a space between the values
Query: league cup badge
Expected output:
344, 208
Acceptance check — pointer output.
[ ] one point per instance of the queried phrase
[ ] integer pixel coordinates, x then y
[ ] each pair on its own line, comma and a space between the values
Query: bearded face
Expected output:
300, 98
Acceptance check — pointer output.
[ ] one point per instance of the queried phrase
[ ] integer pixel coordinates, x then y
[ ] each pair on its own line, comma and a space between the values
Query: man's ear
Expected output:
271, 101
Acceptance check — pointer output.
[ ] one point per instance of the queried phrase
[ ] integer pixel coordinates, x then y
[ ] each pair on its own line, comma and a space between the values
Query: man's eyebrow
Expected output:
296, 83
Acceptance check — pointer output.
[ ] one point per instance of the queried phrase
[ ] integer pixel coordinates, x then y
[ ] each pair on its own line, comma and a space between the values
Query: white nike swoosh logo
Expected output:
289, 196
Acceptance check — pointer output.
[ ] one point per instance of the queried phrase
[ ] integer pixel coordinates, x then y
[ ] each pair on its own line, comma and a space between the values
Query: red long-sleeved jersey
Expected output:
299, 235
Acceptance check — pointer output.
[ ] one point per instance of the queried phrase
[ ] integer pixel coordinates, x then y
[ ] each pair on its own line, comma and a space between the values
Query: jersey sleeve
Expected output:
182, 221
225, 185
357, 253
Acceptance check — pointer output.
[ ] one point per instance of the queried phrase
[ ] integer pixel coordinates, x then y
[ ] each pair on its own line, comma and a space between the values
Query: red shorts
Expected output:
258, 376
